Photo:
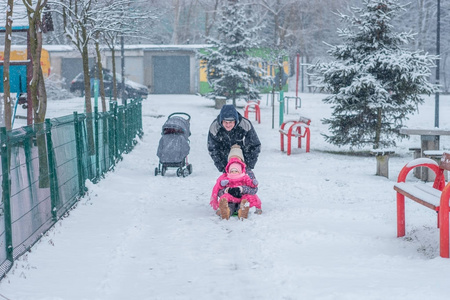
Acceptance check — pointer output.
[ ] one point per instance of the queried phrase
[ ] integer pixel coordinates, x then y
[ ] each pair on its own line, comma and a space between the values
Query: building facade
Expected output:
164, 69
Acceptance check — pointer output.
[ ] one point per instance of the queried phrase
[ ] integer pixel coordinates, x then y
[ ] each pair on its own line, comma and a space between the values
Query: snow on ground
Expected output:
328, 230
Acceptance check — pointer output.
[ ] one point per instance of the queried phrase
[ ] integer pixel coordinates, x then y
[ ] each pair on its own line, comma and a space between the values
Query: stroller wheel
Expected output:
186, 172
163, 171
189, 167
156, 171
179, 172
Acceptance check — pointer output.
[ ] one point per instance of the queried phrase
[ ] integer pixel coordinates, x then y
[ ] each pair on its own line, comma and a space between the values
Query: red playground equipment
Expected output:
435, 197
295, 128
253, 107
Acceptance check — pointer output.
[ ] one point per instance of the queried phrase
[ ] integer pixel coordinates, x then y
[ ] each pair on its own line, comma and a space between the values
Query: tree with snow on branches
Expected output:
232, 72
373, 82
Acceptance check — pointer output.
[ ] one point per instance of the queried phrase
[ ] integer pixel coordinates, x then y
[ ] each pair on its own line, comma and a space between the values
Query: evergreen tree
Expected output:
374, 83
231, 71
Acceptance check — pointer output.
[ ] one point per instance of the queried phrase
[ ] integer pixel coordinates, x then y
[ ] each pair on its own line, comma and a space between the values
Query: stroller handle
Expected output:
180, 113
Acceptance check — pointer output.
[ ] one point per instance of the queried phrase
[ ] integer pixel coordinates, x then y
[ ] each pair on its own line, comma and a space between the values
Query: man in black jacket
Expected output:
230, 128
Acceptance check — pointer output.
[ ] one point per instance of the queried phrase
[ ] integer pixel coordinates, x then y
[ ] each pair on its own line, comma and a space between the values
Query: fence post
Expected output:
105, 138
27, 145
129, 124
54, 193
97, 145
6, 184
132, 124
141, 129
112, 134
138, 118
281, 107
117, 129
78, 143
127, 127
121, 130
134, 120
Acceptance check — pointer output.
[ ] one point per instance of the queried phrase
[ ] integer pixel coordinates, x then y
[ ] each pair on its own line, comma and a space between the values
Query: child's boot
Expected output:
224, 209
243, 209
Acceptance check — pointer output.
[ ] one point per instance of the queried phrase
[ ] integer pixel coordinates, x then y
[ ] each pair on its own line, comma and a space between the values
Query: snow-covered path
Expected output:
328, 230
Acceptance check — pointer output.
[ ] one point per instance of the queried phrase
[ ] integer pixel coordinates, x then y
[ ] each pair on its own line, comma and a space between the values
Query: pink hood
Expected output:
235, 160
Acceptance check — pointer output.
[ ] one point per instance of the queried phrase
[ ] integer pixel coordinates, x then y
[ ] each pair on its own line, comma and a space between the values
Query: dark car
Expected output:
132, 88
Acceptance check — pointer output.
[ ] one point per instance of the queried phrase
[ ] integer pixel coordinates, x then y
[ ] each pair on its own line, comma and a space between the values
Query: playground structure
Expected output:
21, 65
21, 72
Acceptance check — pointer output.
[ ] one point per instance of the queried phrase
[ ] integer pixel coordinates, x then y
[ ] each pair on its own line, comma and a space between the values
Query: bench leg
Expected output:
299, 132
443, 236
307, 134
258, 115
289, 137
281, 142
383, 165
444, 223
400, 215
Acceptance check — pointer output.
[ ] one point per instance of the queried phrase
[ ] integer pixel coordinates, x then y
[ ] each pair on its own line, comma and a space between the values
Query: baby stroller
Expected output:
174, 146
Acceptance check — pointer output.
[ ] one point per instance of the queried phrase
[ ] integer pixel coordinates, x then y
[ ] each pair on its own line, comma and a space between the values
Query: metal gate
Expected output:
171, 75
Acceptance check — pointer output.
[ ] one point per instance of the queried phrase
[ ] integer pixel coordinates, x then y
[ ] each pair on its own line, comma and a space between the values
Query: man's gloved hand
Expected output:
235, 192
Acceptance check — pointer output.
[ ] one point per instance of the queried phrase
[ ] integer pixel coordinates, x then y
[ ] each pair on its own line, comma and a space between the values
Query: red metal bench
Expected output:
435, 197
295, 128
253, 107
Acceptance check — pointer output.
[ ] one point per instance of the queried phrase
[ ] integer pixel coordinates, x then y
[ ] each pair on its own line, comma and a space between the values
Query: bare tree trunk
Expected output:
308, 76
444, 83
6, 64
191, 15
420, 25
100, 74
42, 92
113, 59
37, 86
87, 96
276, 41
209, 22
376, 143
176, 21
33, 86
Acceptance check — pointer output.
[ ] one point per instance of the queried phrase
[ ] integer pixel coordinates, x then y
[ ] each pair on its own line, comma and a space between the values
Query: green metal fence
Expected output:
44, 168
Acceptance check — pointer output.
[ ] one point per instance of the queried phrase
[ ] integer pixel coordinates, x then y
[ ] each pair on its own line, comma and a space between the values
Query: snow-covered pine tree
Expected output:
231, 71
374, 83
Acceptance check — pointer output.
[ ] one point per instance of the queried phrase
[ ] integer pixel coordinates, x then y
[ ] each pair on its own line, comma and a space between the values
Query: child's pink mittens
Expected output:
214, 203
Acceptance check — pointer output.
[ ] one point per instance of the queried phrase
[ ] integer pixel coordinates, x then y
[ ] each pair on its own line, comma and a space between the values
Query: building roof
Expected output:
164, 47
68, 48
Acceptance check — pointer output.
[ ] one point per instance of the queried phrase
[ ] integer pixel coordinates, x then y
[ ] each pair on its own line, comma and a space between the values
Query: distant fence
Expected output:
45, 166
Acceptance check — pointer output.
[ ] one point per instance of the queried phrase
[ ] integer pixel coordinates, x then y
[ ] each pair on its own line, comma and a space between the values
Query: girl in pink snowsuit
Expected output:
237, 188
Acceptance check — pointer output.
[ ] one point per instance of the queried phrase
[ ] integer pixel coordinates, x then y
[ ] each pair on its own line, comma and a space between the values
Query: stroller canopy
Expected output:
176, 125
174, 143
173, 149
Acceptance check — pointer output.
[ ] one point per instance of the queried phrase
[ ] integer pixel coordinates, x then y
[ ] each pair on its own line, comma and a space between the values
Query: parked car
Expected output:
132, 88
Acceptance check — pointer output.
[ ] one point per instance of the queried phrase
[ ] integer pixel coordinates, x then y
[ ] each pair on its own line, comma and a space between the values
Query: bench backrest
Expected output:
305, 120
254, 102
445, 161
